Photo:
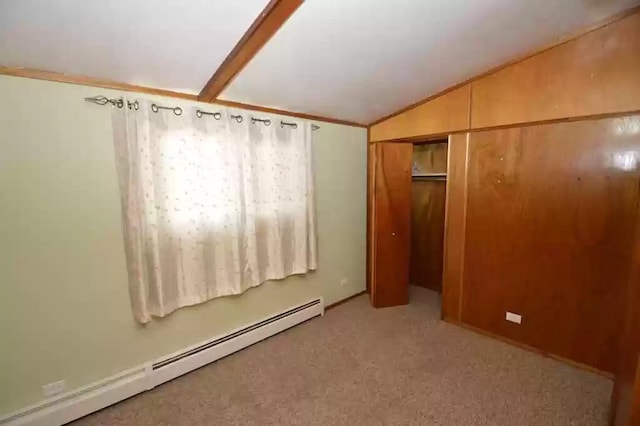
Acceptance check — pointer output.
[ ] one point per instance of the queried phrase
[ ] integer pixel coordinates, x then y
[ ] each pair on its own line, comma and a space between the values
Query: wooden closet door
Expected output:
391, 223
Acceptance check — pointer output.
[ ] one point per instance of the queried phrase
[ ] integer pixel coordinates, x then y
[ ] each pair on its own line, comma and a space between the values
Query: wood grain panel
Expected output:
626, 392
598, 73
443, 115
454, 227
430, 157
625, 401
371, 158
392, 223
427, 233
550, 215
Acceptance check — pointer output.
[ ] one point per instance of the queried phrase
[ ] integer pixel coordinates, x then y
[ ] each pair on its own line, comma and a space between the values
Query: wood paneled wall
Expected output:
430, 157
427, 216
546, 234
595, 74
626, 397
626, 393
598, 73
540, 219
442, 115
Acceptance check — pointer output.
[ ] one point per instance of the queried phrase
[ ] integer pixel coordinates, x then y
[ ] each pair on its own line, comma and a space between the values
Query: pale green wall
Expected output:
64, 306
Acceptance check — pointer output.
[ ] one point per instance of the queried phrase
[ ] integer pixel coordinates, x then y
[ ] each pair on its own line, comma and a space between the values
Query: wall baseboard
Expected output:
576, 364
96, 396
340, 302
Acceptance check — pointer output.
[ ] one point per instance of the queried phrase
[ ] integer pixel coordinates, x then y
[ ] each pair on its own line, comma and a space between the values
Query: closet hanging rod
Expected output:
431, 178
429, 175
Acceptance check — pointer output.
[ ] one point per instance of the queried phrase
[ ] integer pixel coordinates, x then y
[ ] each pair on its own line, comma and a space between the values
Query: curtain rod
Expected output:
119, 103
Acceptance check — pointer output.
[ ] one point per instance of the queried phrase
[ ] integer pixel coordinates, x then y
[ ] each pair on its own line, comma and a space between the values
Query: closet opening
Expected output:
428, 197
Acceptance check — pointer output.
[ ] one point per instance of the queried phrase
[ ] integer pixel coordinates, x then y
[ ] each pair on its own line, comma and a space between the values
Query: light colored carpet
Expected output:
362, 366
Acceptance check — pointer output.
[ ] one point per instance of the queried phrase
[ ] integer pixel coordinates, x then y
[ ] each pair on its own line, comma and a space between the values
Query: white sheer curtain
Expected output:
211, 206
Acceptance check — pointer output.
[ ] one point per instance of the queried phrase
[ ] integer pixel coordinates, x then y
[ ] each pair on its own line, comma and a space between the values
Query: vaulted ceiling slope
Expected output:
355, 60
167, 44
363, 59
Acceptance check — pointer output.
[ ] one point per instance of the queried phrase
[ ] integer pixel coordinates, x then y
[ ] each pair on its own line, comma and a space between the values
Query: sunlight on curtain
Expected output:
211, 207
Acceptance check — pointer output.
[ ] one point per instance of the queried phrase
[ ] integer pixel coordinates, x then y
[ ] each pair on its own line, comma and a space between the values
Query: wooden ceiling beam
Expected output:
274, 15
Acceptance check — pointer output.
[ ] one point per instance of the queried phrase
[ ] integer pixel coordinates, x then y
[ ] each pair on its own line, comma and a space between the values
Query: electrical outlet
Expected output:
514, 317
54, 388
344, 282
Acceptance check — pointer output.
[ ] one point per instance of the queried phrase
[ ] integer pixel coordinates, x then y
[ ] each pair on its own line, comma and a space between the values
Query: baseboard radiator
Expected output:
80, 402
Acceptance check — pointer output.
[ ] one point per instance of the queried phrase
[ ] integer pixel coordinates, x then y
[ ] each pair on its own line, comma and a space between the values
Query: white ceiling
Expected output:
169, 44
349, 59
362, 59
